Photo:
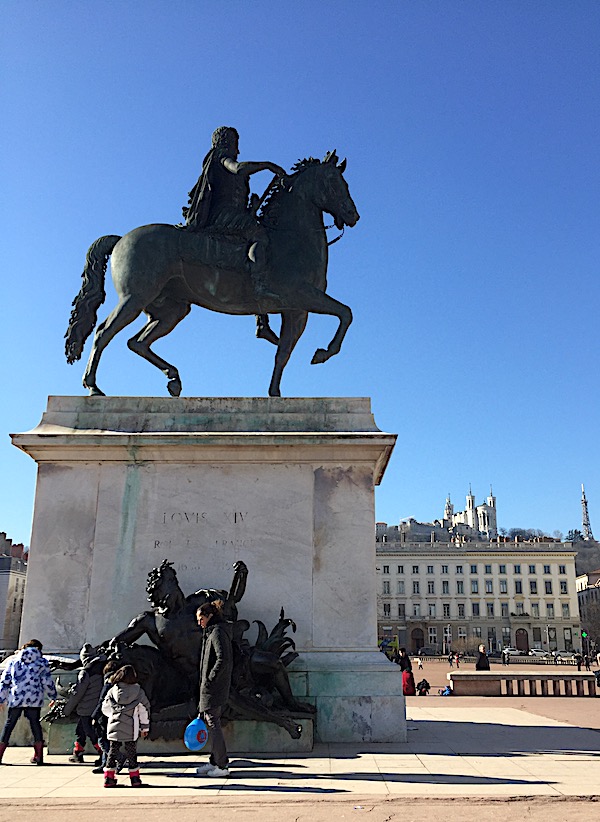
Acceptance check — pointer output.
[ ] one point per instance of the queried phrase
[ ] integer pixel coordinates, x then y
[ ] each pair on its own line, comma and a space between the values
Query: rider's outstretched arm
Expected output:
249, 167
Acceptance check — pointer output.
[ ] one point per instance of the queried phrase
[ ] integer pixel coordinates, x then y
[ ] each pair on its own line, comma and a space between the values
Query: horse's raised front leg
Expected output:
316, 301
126, 312
162, 319
293, 324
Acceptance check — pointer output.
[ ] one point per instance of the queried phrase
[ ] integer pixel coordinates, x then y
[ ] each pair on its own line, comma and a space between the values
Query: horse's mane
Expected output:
269, 209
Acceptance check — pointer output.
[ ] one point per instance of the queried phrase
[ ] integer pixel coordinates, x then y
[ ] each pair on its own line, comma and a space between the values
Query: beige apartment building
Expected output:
457, 594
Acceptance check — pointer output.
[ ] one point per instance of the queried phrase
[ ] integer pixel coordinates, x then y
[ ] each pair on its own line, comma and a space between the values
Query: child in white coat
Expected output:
128, 711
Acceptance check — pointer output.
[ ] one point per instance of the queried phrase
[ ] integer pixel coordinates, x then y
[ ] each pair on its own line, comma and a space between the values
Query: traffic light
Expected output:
584, 634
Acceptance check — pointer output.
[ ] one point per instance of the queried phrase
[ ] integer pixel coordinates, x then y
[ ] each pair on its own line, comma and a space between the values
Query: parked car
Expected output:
513, 652
540, 653
428, 650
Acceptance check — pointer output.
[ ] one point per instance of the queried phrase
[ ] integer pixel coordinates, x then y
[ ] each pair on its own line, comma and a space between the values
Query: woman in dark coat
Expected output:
408, 680
216, 667
482, 662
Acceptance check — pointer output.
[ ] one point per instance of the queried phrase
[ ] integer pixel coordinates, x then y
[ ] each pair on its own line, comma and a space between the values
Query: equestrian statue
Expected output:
235, 253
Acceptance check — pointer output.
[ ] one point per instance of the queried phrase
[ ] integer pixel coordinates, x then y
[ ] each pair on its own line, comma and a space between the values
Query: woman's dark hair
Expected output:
211, 608
125, 674
111, 666
33, 643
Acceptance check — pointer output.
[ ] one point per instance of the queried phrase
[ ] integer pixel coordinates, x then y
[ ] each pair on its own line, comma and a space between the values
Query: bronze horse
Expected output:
162, 270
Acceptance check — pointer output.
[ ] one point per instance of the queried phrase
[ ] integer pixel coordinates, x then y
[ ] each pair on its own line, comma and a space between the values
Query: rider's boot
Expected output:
264, 330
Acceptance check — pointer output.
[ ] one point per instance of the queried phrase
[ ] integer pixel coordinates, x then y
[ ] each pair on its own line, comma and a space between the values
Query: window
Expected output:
474, 586
477, 632
503, 586
563, 586
488, 569
460, 587
520, 609
550, 610
431, 587
461, 610
537, 636
489, 586
518, 586
535, 610
532, 586
562, 569
386, 609
432, 610
415, 587
565, 610
401, 569
548, 586
386, 586
400, 586
506, 637
446, 607
546, 569
504, 609
490, 609
462, 632
502, 569
444, 569
473, 569
445, 587
459, 569
475, 608
433, 636
415, 569
402, 611
517, 569
417, 610
430, 569
386, 569
532, 569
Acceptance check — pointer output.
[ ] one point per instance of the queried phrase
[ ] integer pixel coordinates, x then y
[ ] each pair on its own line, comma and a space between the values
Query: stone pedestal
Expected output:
287, 485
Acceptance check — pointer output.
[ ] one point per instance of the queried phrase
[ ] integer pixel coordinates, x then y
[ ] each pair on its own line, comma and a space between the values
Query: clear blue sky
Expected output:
471, 131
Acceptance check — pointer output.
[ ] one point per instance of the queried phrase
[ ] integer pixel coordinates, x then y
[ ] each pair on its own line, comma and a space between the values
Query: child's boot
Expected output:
38, 756
109, 779
134, 776
77, 755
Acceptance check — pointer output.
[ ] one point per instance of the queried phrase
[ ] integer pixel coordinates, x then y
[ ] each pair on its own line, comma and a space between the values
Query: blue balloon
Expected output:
195, 735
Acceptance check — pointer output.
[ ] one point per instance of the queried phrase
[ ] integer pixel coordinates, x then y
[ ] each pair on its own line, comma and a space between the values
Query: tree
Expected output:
574, 535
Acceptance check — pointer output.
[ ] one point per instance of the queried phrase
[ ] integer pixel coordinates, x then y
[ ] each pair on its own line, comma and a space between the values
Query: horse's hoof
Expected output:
174, 387
94, 391
319, 357
274, 393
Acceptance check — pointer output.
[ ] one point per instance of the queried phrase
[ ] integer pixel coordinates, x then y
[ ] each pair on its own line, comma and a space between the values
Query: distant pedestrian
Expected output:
482, 662
586, 662
451, 659
420, 663
578, 660
24, 682
457, 660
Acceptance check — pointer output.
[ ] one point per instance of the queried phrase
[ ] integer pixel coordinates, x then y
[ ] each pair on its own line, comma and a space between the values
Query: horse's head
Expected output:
331, 192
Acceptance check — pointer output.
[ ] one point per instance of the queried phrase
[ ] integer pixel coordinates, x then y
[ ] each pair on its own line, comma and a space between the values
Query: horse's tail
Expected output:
90, 297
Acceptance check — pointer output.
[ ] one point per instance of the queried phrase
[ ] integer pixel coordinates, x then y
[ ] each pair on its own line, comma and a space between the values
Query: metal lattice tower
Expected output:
586, 528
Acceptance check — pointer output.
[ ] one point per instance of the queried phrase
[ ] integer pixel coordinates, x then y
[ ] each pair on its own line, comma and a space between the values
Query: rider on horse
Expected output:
221, 200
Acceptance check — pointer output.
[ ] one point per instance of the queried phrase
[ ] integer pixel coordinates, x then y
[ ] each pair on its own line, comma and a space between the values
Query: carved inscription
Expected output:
215, 522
